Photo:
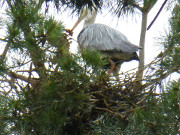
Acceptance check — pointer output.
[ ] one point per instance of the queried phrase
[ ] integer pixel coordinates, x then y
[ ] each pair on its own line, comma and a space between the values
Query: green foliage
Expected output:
175, 22
45, 90
94, 59
56, 107
4, 113
172, 43
174, 96
56, 102
161, 115
53, 31
75, 4
68, 64
148, 4
2, 66
158, 115
42, 41
108, 125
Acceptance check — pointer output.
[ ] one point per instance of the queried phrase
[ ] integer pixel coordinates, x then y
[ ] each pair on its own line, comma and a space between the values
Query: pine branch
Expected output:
30, 73
137, 6
111, 112
33, 82
160, 78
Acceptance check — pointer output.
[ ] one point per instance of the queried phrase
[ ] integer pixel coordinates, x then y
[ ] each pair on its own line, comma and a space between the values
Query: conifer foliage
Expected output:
46, 90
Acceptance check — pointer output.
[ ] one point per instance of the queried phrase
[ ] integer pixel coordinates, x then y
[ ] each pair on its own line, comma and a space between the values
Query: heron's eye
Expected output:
84, 11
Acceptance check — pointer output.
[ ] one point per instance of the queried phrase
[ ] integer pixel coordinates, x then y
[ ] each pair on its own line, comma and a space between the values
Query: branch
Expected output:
157, 15
30, 73
138, 7
158, 79
146, 96
33, 82
114, 113
3, 39
5, 50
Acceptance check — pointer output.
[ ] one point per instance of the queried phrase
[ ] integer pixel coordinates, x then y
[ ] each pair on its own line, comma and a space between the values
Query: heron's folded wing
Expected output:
104, 38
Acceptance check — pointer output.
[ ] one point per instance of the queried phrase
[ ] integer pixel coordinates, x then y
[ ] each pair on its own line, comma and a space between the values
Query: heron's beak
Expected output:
75, 25
83, 14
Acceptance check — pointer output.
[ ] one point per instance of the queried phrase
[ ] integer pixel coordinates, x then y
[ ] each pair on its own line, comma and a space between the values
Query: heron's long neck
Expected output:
90, 19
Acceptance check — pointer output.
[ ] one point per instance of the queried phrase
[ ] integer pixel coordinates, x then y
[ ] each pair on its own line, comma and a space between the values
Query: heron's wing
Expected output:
104, 38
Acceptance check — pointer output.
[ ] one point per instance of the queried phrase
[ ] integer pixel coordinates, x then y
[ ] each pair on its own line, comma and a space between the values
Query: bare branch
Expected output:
157, 15
111, 112
32, 81
5, 50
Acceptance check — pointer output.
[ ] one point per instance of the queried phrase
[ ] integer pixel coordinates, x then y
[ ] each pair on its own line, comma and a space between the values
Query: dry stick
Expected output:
5, 50
147, 65
145, 97
157, 15
24, 78
157, 59
111, 112
22, 64
30, 73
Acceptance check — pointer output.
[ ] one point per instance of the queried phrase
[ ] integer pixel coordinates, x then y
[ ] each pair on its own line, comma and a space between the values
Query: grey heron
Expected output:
110, 42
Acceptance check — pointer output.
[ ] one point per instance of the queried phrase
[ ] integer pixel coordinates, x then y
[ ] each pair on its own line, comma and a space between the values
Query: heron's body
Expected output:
107, 40
112, 43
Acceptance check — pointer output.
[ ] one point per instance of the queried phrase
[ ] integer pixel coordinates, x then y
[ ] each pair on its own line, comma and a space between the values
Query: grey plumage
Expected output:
104, 38
112, 43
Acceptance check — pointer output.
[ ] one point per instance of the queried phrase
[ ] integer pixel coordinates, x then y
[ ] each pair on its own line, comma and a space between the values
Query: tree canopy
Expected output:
44, 89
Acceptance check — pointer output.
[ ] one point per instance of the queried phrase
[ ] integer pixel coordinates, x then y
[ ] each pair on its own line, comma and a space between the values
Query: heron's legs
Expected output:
116, 71
112, 66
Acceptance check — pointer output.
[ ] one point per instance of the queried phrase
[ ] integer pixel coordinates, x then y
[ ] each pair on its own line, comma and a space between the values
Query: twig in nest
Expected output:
111, 112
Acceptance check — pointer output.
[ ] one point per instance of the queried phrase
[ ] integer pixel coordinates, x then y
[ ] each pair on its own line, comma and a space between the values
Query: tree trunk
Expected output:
142, 45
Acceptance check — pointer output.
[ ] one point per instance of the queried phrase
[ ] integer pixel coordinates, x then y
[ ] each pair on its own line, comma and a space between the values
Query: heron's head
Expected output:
87, 13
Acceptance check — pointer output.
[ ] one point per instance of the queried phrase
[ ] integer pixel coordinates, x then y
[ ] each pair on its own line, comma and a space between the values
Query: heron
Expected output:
109, 41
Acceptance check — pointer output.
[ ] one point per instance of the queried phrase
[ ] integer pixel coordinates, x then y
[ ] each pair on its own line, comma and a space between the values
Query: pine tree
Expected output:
46, 90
